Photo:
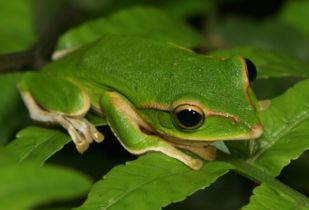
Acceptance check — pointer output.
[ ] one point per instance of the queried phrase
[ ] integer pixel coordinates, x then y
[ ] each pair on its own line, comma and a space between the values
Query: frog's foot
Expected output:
264, 104
130, 130
80, 130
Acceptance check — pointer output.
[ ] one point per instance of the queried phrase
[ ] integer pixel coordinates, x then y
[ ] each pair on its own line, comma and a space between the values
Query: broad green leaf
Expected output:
141, 21
16, 23
37, 144
13, 114
27, 185
286, 131
296, 13
268, 198
269, 63
7, 158
151, 182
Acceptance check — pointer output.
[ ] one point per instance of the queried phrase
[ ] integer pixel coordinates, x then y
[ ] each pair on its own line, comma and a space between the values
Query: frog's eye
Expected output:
188, 116
251, 70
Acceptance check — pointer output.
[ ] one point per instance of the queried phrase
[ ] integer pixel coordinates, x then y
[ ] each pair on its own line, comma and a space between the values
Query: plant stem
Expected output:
13, 62
259, 176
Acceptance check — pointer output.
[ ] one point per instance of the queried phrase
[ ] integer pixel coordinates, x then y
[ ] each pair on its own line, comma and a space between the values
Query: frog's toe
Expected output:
195, 164
97, 136
82, 146
83, 133
81, 143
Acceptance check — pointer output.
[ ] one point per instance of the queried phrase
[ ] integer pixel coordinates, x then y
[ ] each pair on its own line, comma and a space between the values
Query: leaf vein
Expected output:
125, 193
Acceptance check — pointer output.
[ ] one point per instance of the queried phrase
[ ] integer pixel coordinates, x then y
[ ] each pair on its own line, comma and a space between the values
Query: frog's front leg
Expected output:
207, 152
129, 128
46, 106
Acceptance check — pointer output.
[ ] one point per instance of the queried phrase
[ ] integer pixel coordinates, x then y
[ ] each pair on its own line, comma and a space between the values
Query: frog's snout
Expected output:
256, 131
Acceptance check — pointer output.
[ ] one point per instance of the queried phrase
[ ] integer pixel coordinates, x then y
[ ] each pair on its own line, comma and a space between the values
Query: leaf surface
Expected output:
23, 186
286, 131
37, 144
268, 198
151, 182
296, 14
140, 21
16, 23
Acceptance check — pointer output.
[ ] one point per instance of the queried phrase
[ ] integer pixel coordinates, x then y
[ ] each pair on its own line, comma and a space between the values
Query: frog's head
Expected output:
216, 106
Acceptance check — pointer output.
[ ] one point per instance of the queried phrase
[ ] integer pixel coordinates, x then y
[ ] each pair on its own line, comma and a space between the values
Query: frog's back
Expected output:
145, 70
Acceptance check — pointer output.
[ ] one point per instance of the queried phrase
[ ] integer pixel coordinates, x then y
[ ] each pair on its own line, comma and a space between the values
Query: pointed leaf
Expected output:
286, 131
141, 21
151, 182
255, 173
268, 198
37, 144
27, 185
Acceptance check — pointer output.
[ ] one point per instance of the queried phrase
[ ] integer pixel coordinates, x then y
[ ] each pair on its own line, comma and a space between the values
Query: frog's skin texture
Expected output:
140, 86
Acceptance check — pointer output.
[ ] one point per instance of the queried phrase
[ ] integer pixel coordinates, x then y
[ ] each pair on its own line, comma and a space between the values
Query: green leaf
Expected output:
151, 182
268, 198
12, 111
16, 23
285, 137
296, 13
141, 21
37, 144
269, 63
253, 172
26, 185
286, 131
271, 34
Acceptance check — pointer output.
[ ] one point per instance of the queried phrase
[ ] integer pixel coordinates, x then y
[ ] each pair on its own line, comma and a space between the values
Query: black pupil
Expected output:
189, 118
251, 70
